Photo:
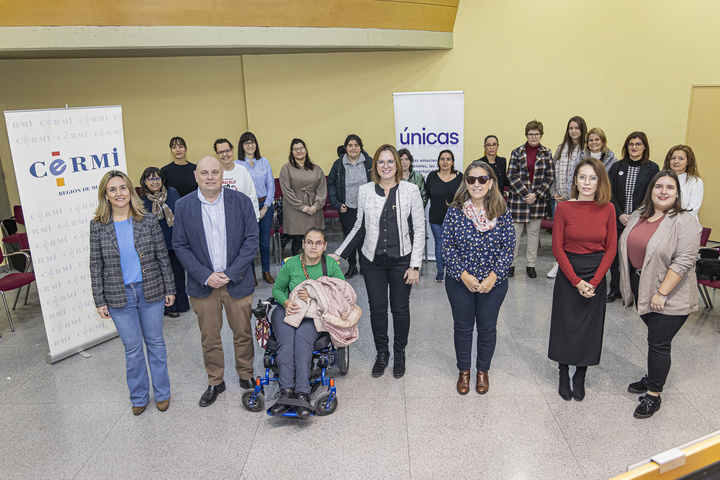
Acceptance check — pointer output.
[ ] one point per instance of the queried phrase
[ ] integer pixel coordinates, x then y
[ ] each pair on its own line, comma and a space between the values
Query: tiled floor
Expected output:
73, 419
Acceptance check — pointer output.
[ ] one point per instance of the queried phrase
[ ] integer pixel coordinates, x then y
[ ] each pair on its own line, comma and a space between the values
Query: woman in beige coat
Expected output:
657, 254
304, 190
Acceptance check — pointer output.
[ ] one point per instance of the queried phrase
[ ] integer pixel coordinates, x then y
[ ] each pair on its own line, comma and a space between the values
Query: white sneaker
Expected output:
553, 271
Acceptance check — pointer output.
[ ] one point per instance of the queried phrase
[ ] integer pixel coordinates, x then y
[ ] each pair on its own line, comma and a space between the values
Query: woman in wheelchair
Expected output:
295, 345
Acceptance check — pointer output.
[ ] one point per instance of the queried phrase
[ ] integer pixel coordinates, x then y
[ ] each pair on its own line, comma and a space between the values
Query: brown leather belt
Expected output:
260, 200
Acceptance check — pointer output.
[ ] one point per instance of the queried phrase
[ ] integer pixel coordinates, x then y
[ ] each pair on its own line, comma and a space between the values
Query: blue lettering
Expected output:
454, 138
434, 140
34, 172
57, 167
440, 138
78, 164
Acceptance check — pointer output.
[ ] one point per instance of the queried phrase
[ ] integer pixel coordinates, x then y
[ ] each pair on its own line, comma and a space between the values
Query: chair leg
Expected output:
708, 302
16, 298
27, 293
7, 310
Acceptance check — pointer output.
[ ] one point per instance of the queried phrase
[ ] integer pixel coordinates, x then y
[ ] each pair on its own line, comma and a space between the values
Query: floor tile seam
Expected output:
707, 420
97, 447
23, 384
407, 430
247, 455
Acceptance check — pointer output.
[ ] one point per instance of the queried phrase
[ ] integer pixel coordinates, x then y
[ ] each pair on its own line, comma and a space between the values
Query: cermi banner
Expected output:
60, 155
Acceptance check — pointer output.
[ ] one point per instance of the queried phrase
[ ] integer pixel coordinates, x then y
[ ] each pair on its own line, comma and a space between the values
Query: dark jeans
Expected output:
182, 303
347, 221
382, 274
437, 236
470, 308
615, 268
295, 347
661, 330
265, 225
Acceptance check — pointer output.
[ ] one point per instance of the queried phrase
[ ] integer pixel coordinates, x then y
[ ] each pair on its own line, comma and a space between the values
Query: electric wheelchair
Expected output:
325, 356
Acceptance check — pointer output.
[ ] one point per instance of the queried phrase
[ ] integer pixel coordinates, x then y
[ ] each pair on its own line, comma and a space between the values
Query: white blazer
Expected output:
409, 205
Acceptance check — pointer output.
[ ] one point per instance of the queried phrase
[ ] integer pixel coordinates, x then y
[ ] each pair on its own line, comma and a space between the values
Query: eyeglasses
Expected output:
636, 145
225, 152
490, 145
249, 142
154, 179
317, 244
299, 149
483, 179
534, 135
388, 163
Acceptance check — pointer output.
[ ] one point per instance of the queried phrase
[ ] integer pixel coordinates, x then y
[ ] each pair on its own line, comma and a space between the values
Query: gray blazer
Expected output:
674, 245
108, 287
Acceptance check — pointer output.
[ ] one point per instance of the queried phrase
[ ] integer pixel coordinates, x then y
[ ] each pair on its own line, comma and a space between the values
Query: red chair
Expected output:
19, 220
329, 211
705, 236
276, 230
15, 281
707, 253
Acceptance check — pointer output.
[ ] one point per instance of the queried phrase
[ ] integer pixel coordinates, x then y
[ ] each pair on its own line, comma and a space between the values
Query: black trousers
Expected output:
615, 268
296, 245
182, 303
661, 331
347, 221
381, 275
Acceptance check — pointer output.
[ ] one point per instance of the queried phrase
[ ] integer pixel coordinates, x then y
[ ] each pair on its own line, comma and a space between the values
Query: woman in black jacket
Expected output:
629, 180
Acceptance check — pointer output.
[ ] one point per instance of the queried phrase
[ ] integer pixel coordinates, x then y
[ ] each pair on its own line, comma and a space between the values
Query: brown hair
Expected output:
603, 192
534, 125
647, 207
643, 138
692, 169
103, 213
600, 133
582, 142
452, 157
494, 202
308, 165
398, 168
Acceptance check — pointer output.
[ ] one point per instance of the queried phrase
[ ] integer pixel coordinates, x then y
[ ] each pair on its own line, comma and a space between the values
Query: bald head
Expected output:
209, 175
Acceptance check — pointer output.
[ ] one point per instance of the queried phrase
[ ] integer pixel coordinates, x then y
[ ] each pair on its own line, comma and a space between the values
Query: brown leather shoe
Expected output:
163, 405
138, 410
463, 385
268, 278
482, 383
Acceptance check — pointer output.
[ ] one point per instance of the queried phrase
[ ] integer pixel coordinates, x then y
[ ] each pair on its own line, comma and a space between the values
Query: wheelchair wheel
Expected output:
259, 404
343, 359
321, 407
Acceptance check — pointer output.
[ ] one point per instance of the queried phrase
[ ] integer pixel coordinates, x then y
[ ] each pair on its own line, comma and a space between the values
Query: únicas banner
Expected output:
427, 123
59, 156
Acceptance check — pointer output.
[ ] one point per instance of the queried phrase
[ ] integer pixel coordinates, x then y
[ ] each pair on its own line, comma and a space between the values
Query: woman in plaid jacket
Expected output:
132, 282
530, 173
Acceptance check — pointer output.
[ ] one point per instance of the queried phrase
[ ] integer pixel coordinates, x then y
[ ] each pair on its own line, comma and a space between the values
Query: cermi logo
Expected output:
58, 166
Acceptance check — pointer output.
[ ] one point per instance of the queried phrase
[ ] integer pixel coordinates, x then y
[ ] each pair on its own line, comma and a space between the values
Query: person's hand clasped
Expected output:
624, 219
291, 308
585, 289
343, 209
412, 276
657, 302
487, 284
310, 210
472, 283
103, 311
303, 294
169, 300
530, 199
217, 280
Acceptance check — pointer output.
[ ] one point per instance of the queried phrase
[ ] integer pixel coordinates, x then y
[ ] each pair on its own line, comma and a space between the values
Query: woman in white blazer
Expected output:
657, 254
390, 226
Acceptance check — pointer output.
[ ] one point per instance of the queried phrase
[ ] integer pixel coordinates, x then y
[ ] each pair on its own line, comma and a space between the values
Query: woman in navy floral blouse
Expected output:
478, 239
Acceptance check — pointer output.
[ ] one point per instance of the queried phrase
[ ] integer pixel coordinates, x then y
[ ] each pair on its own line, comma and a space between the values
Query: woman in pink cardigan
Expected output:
657, 254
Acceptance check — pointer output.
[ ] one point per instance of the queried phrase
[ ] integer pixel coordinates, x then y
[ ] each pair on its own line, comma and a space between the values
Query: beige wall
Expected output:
622, 66
198, 99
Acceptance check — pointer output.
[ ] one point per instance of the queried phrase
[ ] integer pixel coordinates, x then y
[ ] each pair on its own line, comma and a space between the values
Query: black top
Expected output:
180, 177
389, 237
618, 180
172, 197
500, 169
440, 194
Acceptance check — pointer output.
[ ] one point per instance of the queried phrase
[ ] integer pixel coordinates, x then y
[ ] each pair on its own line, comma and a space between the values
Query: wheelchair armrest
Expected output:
708, 252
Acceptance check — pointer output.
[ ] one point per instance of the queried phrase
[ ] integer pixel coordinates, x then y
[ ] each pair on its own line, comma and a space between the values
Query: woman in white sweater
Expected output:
681, 160
390, 226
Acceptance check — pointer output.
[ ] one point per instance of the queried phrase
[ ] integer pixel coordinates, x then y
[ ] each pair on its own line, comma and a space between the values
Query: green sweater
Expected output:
291, 275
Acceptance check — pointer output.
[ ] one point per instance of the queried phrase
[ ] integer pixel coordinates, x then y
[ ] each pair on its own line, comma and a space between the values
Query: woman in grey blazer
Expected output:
132, 282
657, 254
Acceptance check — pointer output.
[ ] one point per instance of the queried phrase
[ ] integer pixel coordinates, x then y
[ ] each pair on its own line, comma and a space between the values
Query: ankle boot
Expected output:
578, 386
564, 388
463, 383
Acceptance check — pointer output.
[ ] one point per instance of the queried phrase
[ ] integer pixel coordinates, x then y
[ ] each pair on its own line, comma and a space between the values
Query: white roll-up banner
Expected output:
427, 123
60, 156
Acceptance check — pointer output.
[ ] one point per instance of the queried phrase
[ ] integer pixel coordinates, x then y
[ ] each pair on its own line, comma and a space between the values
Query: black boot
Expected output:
564, 388
381, 363
399, 364
649, 404
578, 386
302, 410
280, 408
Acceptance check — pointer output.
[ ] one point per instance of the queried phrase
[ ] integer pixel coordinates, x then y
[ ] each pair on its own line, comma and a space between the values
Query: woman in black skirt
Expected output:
584, 244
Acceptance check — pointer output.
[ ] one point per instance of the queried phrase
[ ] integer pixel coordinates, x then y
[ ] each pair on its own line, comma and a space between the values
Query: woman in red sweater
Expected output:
584, 244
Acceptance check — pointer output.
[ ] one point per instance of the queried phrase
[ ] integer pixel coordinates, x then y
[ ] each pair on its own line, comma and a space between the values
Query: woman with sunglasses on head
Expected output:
131, 284
498, 164
261, 173
657, 254
681, 160
295, 345
629, 181
304, 190
441, 186
180, 174
584, 243
478, 240
391, 256
160, 201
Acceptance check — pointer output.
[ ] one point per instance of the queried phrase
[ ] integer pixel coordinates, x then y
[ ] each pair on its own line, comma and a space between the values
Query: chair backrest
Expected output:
278, 189
138, 190
19, 218
705, 236
23, 241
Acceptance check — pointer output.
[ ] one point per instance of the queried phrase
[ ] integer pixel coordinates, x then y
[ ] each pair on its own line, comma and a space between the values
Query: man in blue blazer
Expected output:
215, 237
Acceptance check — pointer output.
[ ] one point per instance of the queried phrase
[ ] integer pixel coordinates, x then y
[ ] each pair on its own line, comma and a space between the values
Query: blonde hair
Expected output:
103, 213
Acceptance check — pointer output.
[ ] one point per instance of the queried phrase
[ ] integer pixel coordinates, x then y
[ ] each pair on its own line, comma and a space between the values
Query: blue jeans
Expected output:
437, 235
470, 308
265, 225
136, 322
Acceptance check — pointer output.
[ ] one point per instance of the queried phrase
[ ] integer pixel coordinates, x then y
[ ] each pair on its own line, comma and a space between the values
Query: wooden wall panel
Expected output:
430, 15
